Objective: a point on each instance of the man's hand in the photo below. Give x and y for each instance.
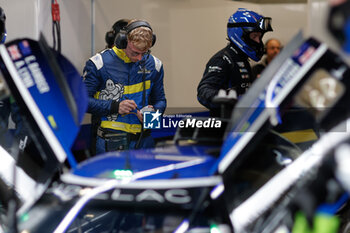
(139, 116)
(126, 106)
(140, 112)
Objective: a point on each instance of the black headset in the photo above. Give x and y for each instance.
(117, 26)
(121, 39)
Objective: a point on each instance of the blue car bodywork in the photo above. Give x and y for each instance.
(201, 184)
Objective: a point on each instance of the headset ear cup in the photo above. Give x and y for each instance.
(109, 38)
(154, 38)
(121, 40)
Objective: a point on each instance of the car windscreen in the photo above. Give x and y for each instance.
(23, 166)
(43, 102)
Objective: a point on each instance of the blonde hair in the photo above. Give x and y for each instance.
(141, 37)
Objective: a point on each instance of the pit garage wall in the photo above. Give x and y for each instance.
(188, 32)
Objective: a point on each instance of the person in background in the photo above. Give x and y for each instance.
(121, 82)
(110, 35)
(110, 39)
(272, 48)
(229, 68)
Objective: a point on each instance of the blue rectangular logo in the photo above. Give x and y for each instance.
(152, 120)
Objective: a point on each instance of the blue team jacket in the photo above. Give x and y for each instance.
(110, 76)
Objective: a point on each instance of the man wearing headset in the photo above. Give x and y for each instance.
(122, 81)
(110, 39)
(229, 68)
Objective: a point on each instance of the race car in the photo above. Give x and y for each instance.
(206, 180)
